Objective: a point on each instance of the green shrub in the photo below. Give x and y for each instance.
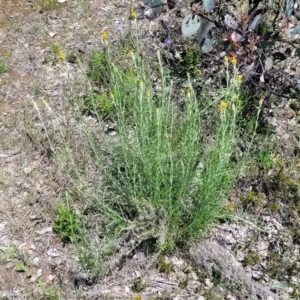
(160, 164)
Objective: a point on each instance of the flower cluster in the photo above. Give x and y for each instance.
(227, 59)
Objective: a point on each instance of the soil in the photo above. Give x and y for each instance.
(34, 263)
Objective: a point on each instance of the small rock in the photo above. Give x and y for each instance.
(240, 255)
(112, 133)
(127, 289)
(208, 283)
(35, 261)
(257, 274)
(194, 276)
(230, 297)
(50, 278)
(39, 273)
(295, 279)
(266, 218)
(52, 34)
(201, 298)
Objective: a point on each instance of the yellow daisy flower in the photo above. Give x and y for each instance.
(103, 34)
(223, 105)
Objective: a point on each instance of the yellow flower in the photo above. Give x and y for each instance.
(104, 34)
(239, 78)
(190, 86)
(148, 93)
(46, 104)
(33, 103)
(137, 297)
(142, 83)
(226, 59)
(260, 102)
(78, 60)
(223, 105)
(61, 55)
(111, 95)
(234, 61)
(132, 14)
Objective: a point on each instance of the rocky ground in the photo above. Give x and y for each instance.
(34, 263)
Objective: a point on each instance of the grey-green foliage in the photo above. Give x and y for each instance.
(158, 162)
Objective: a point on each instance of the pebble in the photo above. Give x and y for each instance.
(257, 274)
(208, 283)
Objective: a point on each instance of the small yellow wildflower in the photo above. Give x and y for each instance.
(137, 297)
(133, 14)
(190, 86)
(33, 103)
(148, 93)
(78, 60)
(46, 104)
(142, 83)
(223, 105)
(234, 61)
(226, 59)
(103, 34)
(61, 55)
(260, 102)
(111, 95)
(188, 93)
(239, 78)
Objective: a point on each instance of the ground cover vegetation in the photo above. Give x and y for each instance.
(169, 142)
(163, 170)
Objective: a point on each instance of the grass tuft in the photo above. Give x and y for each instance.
(164, 173)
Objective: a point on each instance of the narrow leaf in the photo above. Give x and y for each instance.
(265, 44)
(230, 22)
(289, 7)
(190, 25)
(208, 5)
(254, 23)
(269, 63)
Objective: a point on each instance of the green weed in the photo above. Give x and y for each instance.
(48, 292)
(48, 4)
(3, 67)
(36, 89)
(97, 104)
(139, 284)
(66, 223)
(98, 69)
(55, 49)
(164, 266)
